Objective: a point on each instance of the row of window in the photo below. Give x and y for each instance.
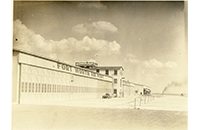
(53, 88)
(115, 81)
(107, 72)
(77, 80)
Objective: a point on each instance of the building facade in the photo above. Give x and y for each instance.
(39, 79)
(128, 88)
(116, 72)
(121, 86)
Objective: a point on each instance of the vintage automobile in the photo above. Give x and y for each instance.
(107, 95)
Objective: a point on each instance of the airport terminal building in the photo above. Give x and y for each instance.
(116, 72)
(38, 79)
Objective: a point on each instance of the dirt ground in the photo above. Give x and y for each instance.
(74, 117)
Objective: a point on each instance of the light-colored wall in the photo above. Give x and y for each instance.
(69, 82)
(15, 77)
(118, 77)
(58, 66)
(139, 88)
(67, 86)
(131, 88)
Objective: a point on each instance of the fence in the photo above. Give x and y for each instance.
(138, 101)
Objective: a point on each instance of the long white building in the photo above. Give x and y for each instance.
(121, 86)
(39, 79)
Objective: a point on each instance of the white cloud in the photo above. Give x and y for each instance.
(114, 46)
(171, 64)
(95, 28)
(103, 25)
(153, 63)
(80, 28)
(21, 31)
(131, 58)
(28, 40)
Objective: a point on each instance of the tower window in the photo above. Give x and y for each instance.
(107, 72)
(115, 72)
(115, 81)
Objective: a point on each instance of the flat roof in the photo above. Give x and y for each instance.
(53, 60)
(142, 85)
(108, 67)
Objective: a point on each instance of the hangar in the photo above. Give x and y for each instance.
(38, 79)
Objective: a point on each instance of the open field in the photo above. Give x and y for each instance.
(75, 116)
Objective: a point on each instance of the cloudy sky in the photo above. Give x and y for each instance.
(149, 39)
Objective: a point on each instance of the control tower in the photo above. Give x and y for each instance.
(86, 64)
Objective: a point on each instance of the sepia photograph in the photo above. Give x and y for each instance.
(99, 65)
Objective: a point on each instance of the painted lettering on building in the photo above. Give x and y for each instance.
(64, 67)
(81, 71)
(93, 74)
(77, 70)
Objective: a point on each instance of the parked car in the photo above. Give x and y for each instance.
(107, 95)
(114, 95)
